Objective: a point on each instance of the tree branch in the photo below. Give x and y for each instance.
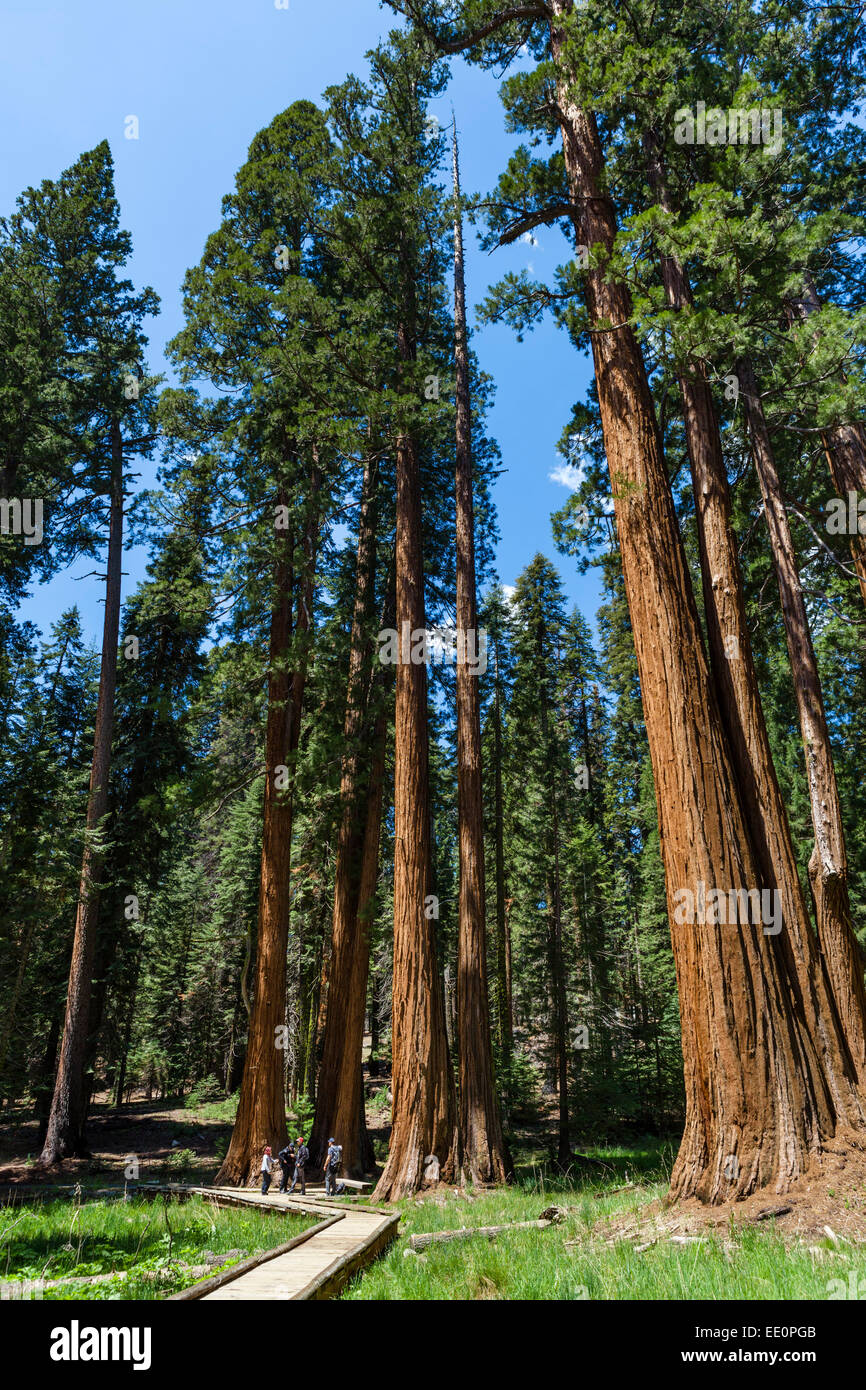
(539, 10)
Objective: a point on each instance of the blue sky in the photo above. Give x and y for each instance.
(203, 76)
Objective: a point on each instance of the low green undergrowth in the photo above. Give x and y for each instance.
(150, 1248)
(575, 1261)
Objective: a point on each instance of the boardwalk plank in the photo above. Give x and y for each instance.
(318, 1265)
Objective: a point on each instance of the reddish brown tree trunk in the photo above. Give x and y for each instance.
(828, 866)
(366, 908)
(66, 1123)
(339, 1106)
(755, 1113)
(425, 1146)
(736, 683)
(424, 1140)
(485, 1156)
(261, 1116)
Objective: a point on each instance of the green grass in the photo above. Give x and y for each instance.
(223, 1110)
(536, 1265)
(60, 1238)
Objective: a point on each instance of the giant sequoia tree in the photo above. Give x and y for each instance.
(771, 1079)
(424, 1140)
(755, 189)
(485, 1155)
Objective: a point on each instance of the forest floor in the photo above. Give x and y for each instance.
(147, 1140)
(618, 1237)
(152, 1140)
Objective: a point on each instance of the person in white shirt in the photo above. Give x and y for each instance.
(267, 1170)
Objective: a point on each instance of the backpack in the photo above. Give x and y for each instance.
(336, 1149)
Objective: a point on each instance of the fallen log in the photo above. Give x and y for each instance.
(772, 1211)
(421, 1242)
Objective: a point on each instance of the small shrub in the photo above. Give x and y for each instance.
(301, 1117)
(209, 1088)
(380, 1101)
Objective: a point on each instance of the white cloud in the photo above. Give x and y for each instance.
(530, 239)
(509, 591)
(568, 475)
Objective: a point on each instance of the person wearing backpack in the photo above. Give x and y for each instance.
(302, 1158)
(287, 1163)
(333, 1159)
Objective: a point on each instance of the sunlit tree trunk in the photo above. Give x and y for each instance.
(758, 1106)
(424, 1144)
(485, 1157)
(339, 1101)
(828, 865)
(736, 683)
(261, 1115)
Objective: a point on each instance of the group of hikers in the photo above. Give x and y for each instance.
(294, 1158)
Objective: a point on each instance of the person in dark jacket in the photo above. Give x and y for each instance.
(287, 1163)
(302, 1158)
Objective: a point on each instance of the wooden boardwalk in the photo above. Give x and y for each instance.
(321, 1260)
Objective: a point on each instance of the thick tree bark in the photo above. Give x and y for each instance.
(755, 1111)
(424, 1140)
(261, 1116)
(340, 1107)
(339, 1077)
(485, 1156)
(828, 866)
(758, 1104)
(65, 1134)
(366, 908)
(736, 685)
